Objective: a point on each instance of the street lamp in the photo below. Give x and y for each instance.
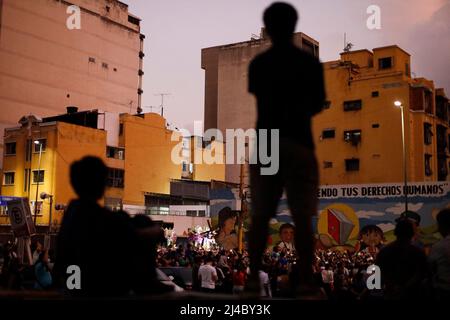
(37, 142)
(399, 105)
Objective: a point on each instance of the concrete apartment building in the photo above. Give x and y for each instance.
(136, 148)
(228, 104)
(44, 66)
(358, 135)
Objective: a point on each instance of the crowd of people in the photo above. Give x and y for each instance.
(406, 272)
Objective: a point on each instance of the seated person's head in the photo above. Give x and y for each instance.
(404, 230)
(280, 19)
(413, 217)
(88, 178)
(443, 220)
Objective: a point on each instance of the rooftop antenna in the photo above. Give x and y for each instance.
(347, 46)
(162, 101)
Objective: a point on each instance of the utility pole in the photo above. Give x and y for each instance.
(243, 215)
(38, 179)
(162, 101)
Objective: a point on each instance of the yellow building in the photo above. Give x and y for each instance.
(198, 155)
(62, 143)
(136, 148)
(358, 135)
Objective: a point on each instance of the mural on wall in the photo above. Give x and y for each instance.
(359, 217)
(224, 211)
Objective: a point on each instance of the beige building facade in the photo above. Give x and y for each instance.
(228, 105)
(45, 66)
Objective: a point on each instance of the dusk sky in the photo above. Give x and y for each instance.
(177, 30)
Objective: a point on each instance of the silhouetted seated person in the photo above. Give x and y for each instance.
(145, 280)
(439, 258)
(403, 266)
(99, 241)
(288, 85)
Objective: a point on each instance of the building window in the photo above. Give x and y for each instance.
(115, 178)
(428, 101)
(327, 164)
(442, 168)
(133, 20)
(201, 213)
(10, 148)
(385, 63)
(328, 133)
(26, 179)
(107, 9)
(8, 178)
(191, 213)
(428, 171)
(352, 136)
(441, 139)
(28, 150)
(37, 146)
(91, 59)
(375, 94)
(157, 204)
(104, 65)
(375, 125)
(407, 69)
(115, 153)
(38, 176)
(352, 105)
(121, 129)
(427, 133)
(352, 164)
(327, 105)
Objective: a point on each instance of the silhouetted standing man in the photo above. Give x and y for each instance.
(288, 85)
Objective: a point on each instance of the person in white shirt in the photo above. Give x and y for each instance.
(207, 276)
(439, 258)
(328, 280)
(264, 280)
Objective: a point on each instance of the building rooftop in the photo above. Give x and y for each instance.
(390, 47)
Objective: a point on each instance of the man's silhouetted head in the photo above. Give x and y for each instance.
(88, 178)
(404, 230)
(280, 19)
(443, 220)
